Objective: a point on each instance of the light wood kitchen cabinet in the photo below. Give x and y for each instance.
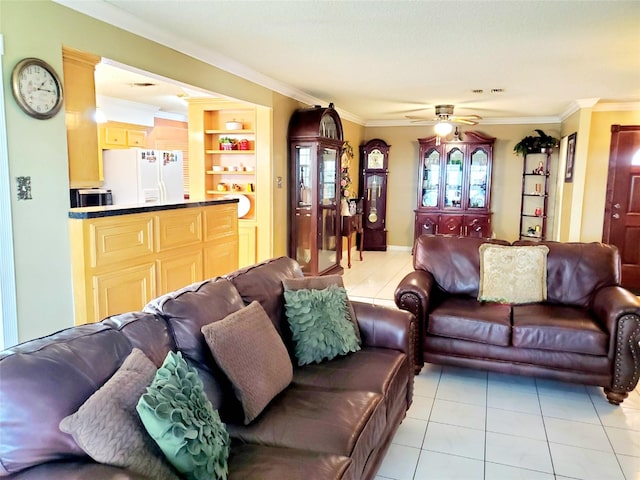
(121, 262)
(80, 107)
(122, 135)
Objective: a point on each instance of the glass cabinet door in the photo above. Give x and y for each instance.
(478, 174)
(328, 205)
(453, 179)
(303, 169)
(431, 179)
(303, 204)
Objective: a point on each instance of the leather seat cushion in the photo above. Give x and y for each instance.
(248, 462)
(552, 327)
(370, 370)
(347, 423)
(468, 319)
(378, 370)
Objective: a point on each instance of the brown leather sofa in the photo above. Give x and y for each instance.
(587, 331)
(334, 421)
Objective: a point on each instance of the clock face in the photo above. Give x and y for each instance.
(36, 88)
(375, 159)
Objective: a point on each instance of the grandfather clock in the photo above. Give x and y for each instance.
(374, 162)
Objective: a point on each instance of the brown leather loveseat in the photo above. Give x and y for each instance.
(587, 331)
(335, 420)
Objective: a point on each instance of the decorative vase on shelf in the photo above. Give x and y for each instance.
(344, 208)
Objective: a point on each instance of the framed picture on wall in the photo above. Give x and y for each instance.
(571, 157)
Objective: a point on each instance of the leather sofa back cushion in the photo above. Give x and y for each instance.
(576, 270)
(454, 262)
(146, 332)
(263, 282)
(188, 310)
(45, 380)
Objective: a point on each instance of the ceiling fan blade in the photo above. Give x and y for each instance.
(418, 118)
(464, 121)
(467, 117)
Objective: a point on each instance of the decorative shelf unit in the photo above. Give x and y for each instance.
(454, 186)
(218, 171)
(231, 170)
(535, 196)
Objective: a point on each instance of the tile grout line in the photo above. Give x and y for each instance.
(424, 437)
(546, 435)
(608, 438)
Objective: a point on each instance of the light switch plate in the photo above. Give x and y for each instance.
(24, 188)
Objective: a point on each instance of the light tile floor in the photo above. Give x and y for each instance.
(469, 424)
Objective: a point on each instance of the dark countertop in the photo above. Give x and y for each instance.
(84, 213)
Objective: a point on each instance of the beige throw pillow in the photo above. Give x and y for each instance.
(320, 283)
(107, 426)
(248, 349)
(513, 274)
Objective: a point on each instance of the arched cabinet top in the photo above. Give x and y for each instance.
(315, 123)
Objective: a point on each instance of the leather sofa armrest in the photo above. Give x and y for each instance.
(387, 327)
(610, 303)
(413, 294)
(618, 311)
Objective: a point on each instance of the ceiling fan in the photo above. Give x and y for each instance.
(444, 113)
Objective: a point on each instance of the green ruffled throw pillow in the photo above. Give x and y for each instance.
(180, 418)
(320, 324)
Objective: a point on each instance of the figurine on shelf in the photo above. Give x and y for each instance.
(540, 169)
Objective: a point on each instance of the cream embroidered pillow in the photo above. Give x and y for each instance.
(513, 274)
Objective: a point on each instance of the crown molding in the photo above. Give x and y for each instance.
(579, 104)
(617, 107)
(599, 106)
(107, 13)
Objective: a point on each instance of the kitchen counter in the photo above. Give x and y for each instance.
(124, 256)
(113, 210)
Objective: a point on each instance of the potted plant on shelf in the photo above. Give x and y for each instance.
(226, 143)
(533, 144)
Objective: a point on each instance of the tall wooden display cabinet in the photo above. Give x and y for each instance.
(315, 142)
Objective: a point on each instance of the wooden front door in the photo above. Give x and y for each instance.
(622, 208)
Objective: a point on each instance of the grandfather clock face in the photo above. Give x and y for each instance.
(375, 159)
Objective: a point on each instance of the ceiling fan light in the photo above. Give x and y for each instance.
(443, 129)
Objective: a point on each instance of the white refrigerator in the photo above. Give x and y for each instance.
(141, 176)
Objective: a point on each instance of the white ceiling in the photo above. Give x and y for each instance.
(379, 61)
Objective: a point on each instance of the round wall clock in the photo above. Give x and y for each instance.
(36, 88)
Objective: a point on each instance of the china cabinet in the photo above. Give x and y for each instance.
(374, 165)
(315, 142)
(535, 196)
(454, 186)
